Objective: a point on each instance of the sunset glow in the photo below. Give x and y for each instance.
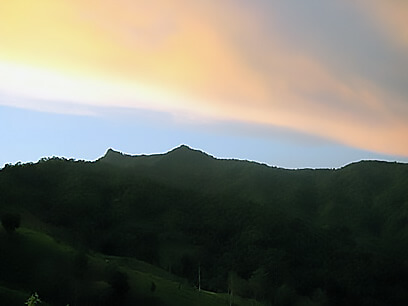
(259, 63)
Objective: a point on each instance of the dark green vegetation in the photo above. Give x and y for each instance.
(282, 237)
(10, 221)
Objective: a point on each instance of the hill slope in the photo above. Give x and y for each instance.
(282, 236)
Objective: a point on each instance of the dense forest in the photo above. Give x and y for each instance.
(265, 234)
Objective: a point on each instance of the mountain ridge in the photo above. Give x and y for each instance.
(184, 150)
(340, 234)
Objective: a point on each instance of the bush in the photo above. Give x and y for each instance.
(10, 222)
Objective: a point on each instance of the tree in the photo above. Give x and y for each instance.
(153, 287)
(120, 285)
(236, 286)
(259, 283)
(285, 296)
(10, 222)
(33, 300)
(80, 264)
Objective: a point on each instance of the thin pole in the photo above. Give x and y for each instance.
(199, 277)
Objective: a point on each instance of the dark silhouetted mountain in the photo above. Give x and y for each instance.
(324, 237)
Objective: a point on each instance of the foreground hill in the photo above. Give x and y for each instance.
(307, 237)
(33, 261)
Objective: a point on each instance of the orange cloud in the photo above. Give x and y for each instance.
(208, 59)
(391, 15)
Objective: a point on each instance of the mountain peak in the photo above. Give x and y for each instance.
(185, 149)
(111, 152)
(181, 147)
(112, 155)
(181, 154)
(186, 153)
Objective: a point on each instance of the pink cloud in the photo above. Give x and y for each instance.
(215, 60)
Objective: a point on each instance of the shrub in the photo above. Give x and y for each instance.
(10, 222)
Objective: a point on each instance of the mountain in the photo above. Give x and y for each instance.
(304, 237)
(174, 158)
(188, 168)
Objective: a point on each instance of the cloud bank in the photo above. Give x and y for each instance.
(335, 70)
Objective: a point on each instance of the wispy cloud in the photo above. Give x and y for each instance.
(391, 15)
(225, 61)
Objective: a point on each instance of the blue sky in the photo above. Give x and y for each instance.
(289, 83)
(87, 137)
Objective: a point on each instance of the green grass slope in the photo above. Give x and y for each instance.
(31, 261)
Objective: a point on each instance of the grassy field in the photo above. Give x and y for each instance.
(32, 261)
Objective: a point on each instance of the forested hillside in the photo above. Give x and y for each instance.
(282, 237)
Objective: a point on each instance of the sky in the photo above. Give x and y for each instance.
(294, 84)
